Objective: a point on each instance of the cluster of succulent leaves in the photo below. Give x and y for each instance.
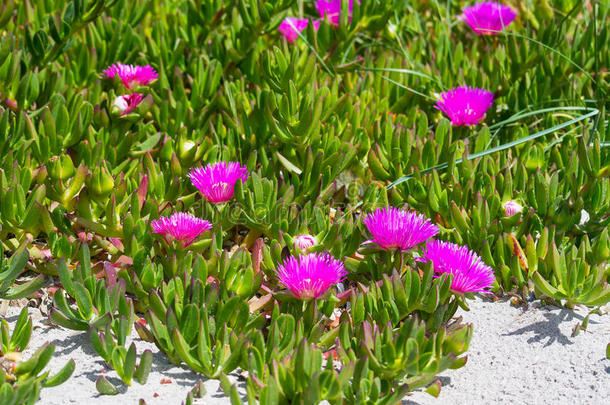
(103, 309)
(22, 380)
(331, 127)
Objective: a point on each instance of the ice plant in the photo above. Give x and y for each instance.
(310, 276)
(392, 228)
(216, 182)
(331, 10)
(291, 27)
(470, 273)
(304, 241)
(465, 105)
(181, 227)
(511, 208)
(131, 75)
(128, 103)
(488, 17)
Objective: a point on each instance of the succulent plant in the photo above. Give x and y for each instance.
(122, 360)
(336, 111)
(98, 301)
(198, 391)
(573, 280)
(21, 380)
(193, 323)
(9, 273)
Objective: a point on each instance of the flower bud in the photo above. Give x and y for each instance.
(304, 241)
(511, 208)
(124, 105)
(186, 150)
(101, 182)
(61, 167)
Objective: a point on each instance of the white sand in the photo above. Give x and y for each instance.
(527, 356)
(516, 356)
(80, 388)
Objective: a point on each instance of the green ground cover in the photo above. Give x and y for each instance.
(330, 124)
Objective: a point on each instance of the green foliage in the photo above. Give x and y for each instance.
(105, 387)
(9, 273)
(122, 360)
(572, 278)
(377, 366)
(395, 298)
(22, 380)
(198, 391)
(97, 300)
(192, 323)
(20, 337)
(103, 309)
(407, 355)
(332, 126)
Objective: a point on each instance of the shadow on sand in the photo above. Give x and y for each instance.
(549, 329)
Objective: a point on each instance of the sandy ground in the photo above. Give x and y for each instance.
(527, 356)
(517, 355)
(167, 384)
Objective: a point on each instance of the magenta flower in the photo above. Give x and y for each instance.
(488, 17)
(128, 103)
(131, 75)
(470, 274)
(310, 276)
(291, 27)
(181, 227)
(304, 241)
(397, 229)
(217, 181)
(511, 208)
(332, 10)
(465, 105)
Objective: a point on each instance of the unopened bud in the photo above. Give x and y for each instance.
(61, 167)
(304, 241)
(124, 105)
(186, 150)
(511, 208)
(101, 182)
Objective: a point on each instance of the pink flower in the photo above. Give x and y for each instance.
(332, 10)
(180, 226)
(217, 181)
(488, 17)
(465, 105)
(310, 276)
(131, 75)
(397, 229)
(470, 274)
(128, 103)
(511, 208)
(291, 26)
(304, 241)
